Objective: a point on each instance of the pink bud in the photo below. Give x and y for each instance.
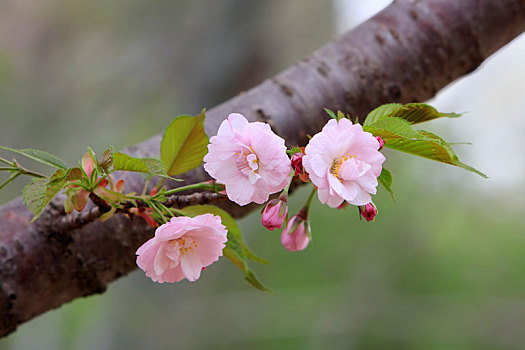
(295, 236)
(119, 186)
(274, 213)
(88, 164)
(103, 183)
(381, 142)
(297, 163)
(368, 212)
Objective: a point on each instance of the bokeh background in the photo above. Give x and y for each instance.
(443, 267)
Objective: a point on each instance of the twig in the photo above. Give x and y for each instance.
(69, 222)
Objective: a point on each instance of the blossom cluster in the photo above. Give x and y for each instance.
(342, 161)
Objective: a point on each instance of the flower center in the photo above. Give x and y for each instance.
(248, 164)
(185, 245)
(336, 165)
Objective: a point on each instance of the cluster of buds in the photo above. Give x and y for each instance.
(297, 164)
(77, 196)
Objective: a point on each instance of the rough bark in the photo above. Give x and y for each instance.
(405, 53)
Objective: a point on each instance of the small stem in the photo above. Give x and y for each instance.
(306, 207)
(24, 171)
(5, 161)
(145, 188)
(200, 185)
(9, 169)
(152, 205)
(163, 207)
(178, 212)
(99, 181)
(11, 178)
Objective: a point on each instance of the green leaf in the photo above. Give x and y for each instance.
(236, 249)
(385, 179)
(330, 113)
(41, 191)
(398, 134)
(294, 150)
(107, 160)
(153, 166)
(184, 144)
(381, 112)
(249, 276)
(413, 113)
(73, 174)
(420, 112)
(39, 156)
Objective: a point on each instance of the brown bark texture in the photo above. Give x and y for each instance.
(405, 53)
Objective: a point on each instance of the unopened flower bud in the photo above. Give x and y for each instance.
(381, 142)
(296, 235)
(87, 164)
(368, 211)
(297, 163)
(274, 214)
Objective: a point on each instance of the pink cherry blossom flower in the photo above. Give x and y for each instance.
(249, 159)
(274, 213)
(369, 212)
(343, 162)
(296, 235)
(182, 247)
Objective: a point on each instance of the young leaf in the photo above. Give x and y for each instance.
(385, 179)
(41, 191)
(184, 144)
(39, 156)
(235, 257)
(107, 160)
(420, 112)
(413, 113)
(125, 162)
(381, 112)
(73, 174)
(236, 249)
(398, 134)
(330, 113)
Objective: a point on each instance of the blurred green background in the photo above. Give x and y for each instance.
(443, 267)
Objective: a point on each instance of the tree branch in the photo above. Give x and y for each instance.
(56, 220)
(405, 53)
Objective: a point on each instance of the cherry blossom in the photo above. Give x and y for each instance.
(182, 247)
(343, 162)
(249, 159)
